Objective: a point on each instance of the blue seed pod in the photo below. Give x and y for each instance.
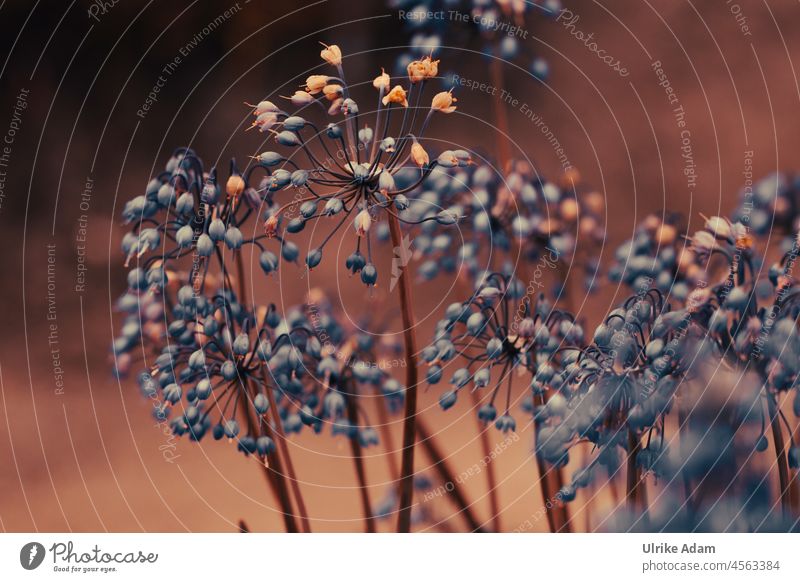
(333, 206)
(308, 208)
(261, 403)
(228, 370)
(475, 323)
(203, 389)
(737, 299)
(294, 123)
(268, 262)
(313, 258)
(172, 393)
(333, 131)
(234, 238)
(241, 345)
(481, 378)
(434, 374)
(461, 377)
(567, 493)
(137, 279)
(218, 432)
(166, 194)
(270, 158)
(794, 457)
(448, 399)
(296, 225)
(762, 444)
(185, 236)
(185, 204)
(216, 230)
(205, 246)
(369, 274)
(287, 138)
(264, 446)
(487, 413)
(494, 348)
(506, 423)
(197, 360)
(231, 428)
(289, 251)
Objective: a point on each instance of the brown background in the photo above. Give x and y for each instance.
(89, 459)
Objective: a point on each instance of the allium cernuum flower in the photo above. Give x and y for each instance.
(344, 172)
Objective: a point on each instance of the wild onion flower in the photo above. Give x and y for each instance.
(619, 389)
(345, 171)
(496, 335)
(517, 215)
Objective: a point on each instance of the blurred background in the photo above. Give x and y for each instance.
(79, 449)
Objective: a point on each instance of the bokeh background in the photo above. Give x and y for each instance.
(89, 456)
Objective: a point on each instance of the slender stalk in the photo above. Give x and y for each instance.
(275, 475)
(500, 116)
(780, 454)
(550, 482)
(388, 441)
(491, 477)
(447, 476)
(358, 460)
(284, 449)
(409, 421)
(634, 489)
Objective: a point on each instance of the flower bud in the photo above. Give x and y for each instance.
(443, 102)
(396, 95)
(332, 55)
(315, 83)
(419, 155)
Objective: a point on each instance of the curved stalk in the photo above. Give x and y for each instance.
(447, 476)
(780, 454)
(284, 449)
(409, 421)
(358, 460)
(491, 477)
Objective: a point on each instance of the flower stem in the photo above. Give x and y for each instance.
(409, 421)
(275, 476)
(550, 482)
(447, 475)
(491, 477)
(358, 459)
(500, 116)
(780, 454)
(634, 485)
(284, 450)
